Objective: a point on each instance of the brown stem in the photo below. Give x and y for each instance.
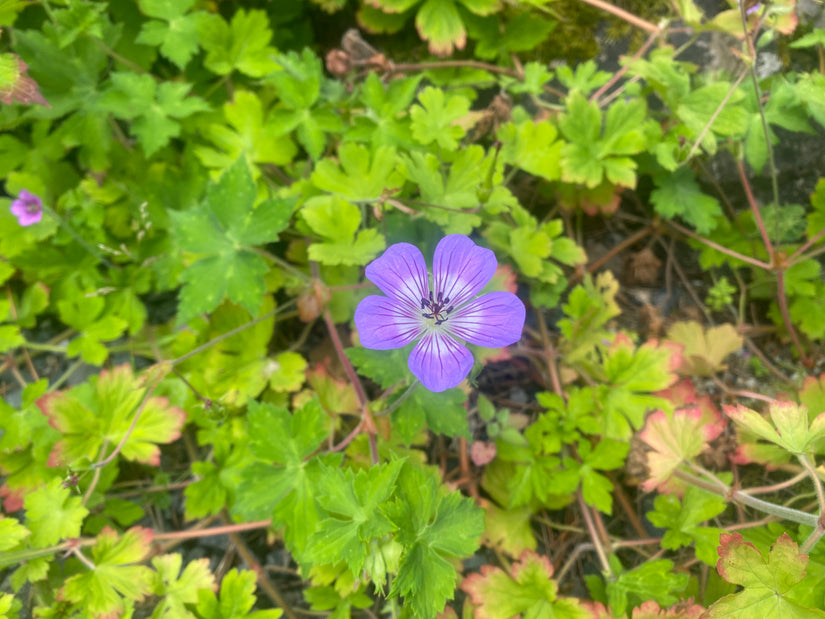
(720, 248)
(618, 74)
(782, 300)
(814, 239)
(366, 418)
(766, 239)
(622, 14)
(594, 536)
(263, 580)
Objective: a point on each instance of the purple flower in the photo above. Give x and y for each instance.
(28, 208)
(440, 313)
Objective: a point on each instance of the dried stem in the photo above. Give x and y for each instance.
(594, 536)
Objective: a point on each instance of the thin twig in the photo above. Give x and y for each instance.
(630, 18)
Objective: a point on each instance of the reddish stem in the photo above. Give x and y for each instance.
(782, 300)
(755, 210)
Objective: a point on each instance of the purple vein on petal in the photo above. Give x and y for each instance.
(384, 323)
(461, 268)
(440, 362)
(494, 319)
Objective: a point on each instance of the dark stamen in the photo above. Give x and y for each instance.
(449, 309)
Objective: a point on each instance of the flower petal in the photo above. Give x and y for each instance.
(493, 320)
(461, 268)
(384, 323)
(401, 273)
(440, 362)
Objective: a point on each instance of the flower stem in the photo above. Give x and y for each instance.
(354, 380)
(398, 402)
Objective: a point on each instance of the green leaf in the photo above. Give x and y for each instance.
(154, 108)
(809, 90)
(242, 45)
(12, 532)
(633, 374)
(684, 520)
(226, 224)
(173, 30)
(439, 23)
(703, 107)
(237, 597)
(114, 577)
(679, 194)
(52, 514)
(291, 372)
(533, 147)
(353, 503)
(179, 588)
(433, 528)
(102, 412)
(434, 118)
(281, 484)
(443, 413)
(652, 580)
(337, 221)
(360, 177)
(585, 79)
(528, 589)
(591, 154)
(766, 583)
(459, 190)
(251, 133)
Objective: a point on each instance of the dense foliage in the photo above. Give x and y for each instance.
(190, 426)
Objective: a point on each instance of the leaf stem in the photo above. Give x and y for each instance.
(809, 467)
(728, 493)
(231, 332)
(720, 248)
(757, 91)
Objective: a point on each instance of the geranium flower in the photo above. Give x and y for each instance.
(28, 208)
(440, 313)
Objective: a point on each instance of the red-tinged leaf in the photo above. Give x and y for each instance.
(766, 582)
(102, 412)
(102, 590)
(439, 23)
(529, 589)
(812, 393)
(674, 439)
(683, 394)
(791, 428)
(651, 367)
(15, 85)
(704, 349)
(649, 610)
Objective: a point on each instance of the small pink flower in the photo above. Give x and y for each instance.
(28, 208)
